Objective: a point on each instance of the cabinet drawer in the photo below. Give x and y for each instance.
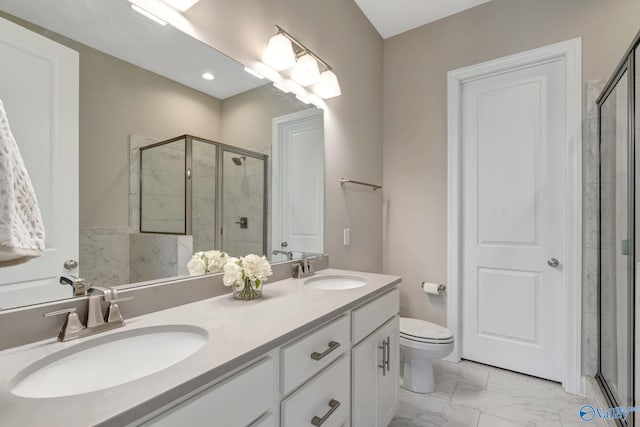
(314, 398)
(237, 401)
(305, 357)
(370, 316)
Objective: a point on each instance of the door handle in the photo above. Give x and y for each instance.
(284, 244)
(553, 262)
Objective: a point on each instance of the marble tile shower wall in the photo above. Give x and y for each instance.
(112, 256)
(104, 255)
(157, 256)
(590, 242)
(243, 196)
(163, 188)
(203, 195)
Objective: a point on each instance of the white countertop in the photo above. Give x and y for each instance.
(239, 331)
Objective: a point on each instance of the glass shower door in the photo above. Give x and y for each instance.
(203, 195)
(616, 246)
(243, 207)
(163, 187)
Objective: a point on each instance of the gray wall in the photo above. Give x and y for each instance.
(247, 118)
(340, 34)
(415, 114)
(118, 99)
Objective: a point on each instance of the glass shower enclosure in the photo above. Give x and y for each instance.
(215, 192)
(618, 239)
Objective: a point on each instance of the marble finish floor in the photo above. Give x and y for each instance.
(472, 394)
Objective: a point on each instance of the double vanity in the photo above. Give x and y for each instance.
(316, 351)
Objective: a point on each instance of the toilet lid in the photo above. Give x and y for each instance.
(420, 330)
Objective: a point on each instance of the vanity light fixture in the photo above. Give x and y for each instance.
(328, 86)
(147, 14)
(254, 73)
(279, 53)
(208, 76)
(306, 71)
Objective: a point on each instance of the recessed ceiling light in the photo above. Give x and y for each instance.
(208, 76)
(149, 15)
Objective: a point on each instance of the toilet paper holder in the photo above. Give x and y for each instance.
(441, 287)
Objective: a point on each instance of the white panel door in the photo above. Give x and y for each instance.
(39, 89)
(298, 182)
(513, 130)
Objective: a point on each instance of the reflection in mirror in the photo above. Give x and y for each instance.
(145, 206)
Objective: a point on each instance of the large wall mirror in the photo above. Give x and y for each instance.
(145, 145)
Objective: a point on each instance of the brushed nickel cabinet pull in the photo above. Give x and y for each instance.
(388, 355)
(332, 346)
(317, 421)
(384, 364)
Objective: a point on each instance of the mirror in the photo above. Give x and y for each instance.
(171, 160)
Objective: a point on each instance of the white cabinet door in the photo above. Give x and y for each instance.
(39, 89)
(365, 360)
(375, 384)
(388, 385)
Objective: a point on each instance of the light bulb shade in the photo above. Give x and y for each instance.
(328, 86)
(306, 71)
(279, 54)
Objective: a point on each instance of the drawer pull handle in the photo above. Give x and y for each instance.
(317, 421)
(386, 361)
(332, 346)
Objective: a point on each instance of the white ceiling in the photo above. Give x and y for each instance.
(394, 17)
(111, 26)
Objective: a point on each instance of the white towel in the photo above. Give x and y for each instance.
(21, 229)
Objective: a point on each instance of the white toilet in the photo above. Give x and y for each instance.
(420, 343)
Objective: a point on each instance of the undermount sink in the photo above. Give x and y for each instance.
(335, 282)
(108, 361)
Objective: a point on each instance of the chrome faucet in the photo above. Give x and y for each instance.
(305, 268)
(79, 285)
(289, 254)
(97, 321)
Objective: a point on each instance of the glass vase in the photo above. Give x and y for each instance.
(249, 291)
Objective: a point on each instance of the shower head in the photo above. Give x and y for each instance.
(238, 160)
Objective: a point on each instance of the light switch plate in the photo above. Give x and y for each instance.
(347, 236)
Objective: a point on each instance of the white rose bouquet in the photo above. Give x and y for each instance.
(207, 262)
(246, 275)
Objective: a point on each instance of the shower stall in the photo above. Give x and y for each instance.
(215, 192)
(618, 240)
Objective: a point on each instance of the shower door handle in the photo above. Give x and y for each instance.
(553, 262)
